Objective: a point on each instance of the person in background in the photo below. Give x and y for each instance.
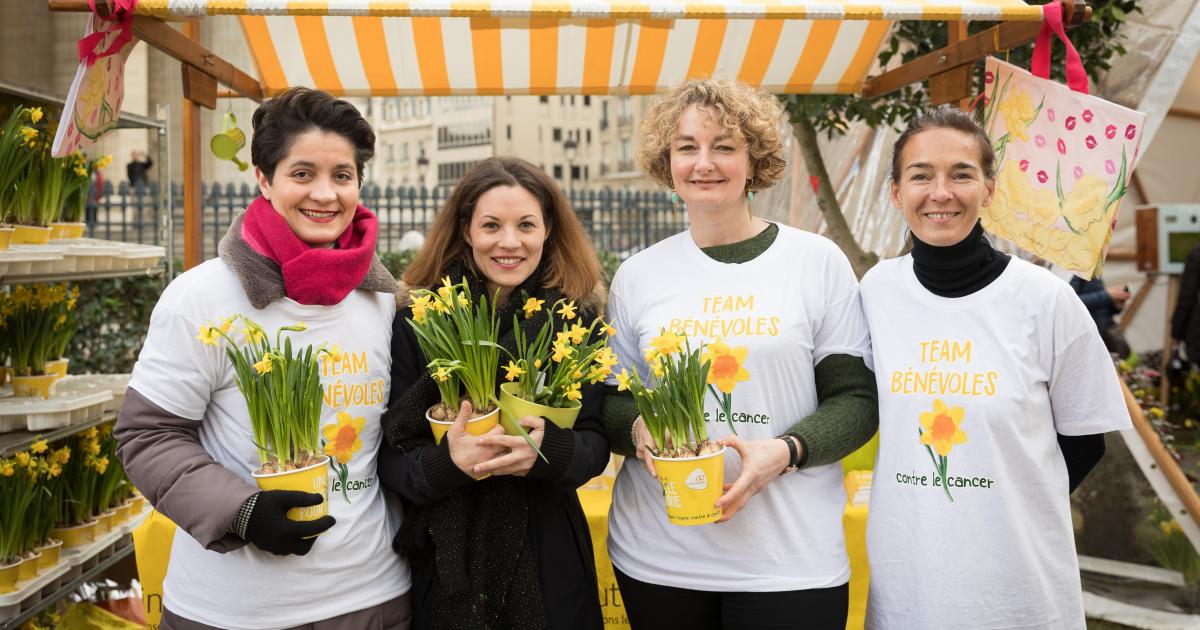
(1103, 303)
(1185, 321)
(136, 170)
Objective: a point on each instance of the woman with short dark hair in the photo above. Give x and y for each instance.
(994, 392)
(303, 251)
(511, 550)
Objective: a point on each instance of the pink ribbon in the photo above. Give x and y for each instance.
(122, 23)
(1039, 65)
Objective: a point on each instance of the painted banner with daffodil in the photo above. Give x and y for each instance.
(282, 388)
(940, 431)
(546, 373)
(728, 368)
(1063, 159)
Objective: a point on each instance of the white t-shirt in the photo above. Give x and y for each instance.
(991, 377)
(351, 566)
(790, 307)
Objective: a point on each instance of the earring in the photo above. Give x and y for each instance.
(749, 195)
(674, 197)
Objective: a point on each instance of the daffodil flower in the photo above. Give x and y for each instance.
(561, 351)
(567, 311)
(576, 333)
(512, 371)
(532, 305)
(669, 342)
(264, 366)
(573, 392)
(208, 335)
(608, 329)
(39, 447)
(441, 374)
(35, 114)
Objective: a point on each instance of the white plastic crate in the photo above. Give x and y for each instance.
(93, 254)
(134, 256)
(24, 260)
(89, 383)
(62, 409)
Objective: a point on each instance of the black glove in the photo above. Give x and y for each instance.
(270, 529)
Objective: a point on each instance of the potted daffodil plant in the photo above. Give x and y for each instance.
(282, 388)
(690, 466)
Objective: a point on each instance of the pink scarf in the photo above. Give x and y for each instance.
(313, 275)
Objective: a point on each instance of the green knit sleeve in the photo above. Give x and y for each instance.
(847, 412)
(620, 411)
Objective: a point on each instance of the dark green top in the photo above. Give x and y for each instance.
(847, 413)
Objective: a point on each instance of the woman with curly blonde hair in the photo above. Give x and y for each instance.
(785, 304)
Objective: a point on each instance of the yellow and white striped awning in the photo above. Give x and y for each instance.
(475, 47)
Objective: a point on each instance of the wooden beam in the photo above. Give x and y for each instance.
(951, 86)
(1170, 468)
(1185, 112)
(160, 35)
(199, 87)
(1001, 37)
(193, 200)
(956, 31)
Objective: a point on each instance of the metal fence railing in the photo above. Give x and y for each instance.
(619, 221)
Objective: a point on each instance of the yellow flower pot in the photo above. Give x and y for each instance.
(28, 569)
(6, 235)
(513, 407)
(314, 478)
(475, 426)
(57, 367)
(61, 230)
(104, 522)
(690, 487)
(31, 235)
(138, 505)
(76, 535)
(36, 385)
(125, 511)
(8, 576)
(51, 550)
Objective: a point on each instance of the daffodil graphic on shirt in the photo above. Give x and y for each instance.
(727, 369)
(342, 441)
(941, 430)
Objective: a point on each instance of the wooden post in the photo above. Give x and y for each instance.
(193, 232)
(1173, 282)
(1167, 464)
(1131, 309)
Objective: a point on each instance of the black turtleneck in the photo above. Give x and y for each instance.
(967, 266)
(960, 269)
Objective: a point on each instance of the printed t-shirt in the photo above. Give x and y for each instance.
(779, 314)
(969, 524)
(351, 566)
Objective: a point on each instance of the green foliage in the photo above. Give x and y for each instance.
(1096, 40)
(609, 262)
(396, 262)
(112, 319)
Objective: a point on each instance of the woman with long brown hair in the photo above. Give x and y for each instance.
(511, 550)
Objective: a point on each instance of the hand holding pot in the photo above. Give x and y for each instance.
(270, 529)
(642, 440)
(466, 450)
(520, 456)
(762, 460)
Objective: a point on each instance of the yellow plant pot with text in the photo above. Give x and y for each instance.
(76, 535)
(51, 551)
(691, 485)
(28, 568)
(6, 235)
(36, 385)
(30, 235)
(475, 426)
(8, 577)
(312, 478)
(513, 407)
(58, 367)
(64, 231)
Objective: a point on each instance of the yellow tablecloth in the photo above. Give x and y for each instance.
(596, 498)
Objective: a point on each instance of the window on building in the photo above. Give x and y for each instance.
(508, 132)
(587, 101)
(558, 171)
(589, 136)
(562, 100)
(572, 100)
(557, 135)
(543, 99)
(576, 172)
(391, 153)
(585, 172)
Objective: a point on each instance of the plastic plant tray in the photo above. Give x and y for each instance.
(62, 409)
(93, 254)
(134, 256)
(23, 260)
(89, 383)
(71, 563)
